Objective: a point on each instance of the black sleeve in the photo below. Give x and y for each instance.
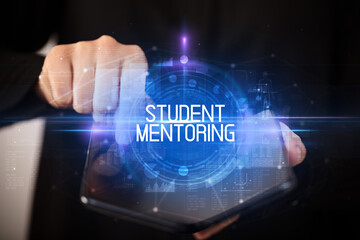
(18, 74)
(26, 27)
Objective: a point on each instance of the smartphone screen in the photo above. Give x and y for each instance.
(192, 157)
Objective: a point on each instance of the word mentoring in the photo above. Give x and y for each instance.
(184, 123)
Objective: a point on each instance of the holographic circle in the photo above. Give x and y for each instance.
(184, 59)
(183, 171)
(216, 89)
(172, 78)
(192, 83)
(197, 163)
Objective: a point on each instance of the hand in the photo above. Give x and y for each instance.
(296, 153)
(102, 76)
(92, 76)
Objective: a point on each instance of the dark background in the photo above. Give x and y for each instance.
(309, 49)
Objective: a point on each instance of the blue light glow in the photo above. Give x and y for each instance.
(183, 171)
(184, 59)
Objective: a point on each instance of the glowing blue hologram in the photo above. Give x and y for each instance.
(192, 83)
(208, 183)
(169, 160)
(162, 187)
(184, 59)
(133, 82)
(216, 89)
(184, 40)
(168, 63)
(241, 180)
(172, 78)
(285, 185)
(150, 171)
(183, 171)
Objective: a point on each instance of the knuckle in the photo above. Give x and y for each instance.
(82, 49)
(81, 45)
(57, 51)
(136, 55)
(137, 50)
(107, 41)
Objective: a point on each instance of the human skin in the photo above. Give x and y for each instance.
(94, 77)
(296, 152)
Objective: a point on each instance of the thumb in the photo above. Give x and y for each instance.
(295, 148)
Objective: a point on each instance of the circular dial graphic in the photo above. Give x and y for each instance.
(202, 147)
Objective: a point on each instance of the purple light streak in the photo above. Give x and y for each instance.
(184, 40)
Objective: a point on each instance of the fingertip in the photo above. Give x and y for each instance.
(296, 151)
(295, 148)
(302, 150)
(199, 236)
(204, 234)
(98, 117)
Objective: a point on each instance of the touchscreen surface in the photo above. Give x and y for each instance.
(186, 150)
(115, 176)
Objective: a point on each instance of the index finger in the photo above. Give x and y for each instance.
(132, 89)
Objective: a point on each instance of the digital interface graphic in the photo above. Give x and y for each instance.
(199, 117)
(179, 119)
(194, 147)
